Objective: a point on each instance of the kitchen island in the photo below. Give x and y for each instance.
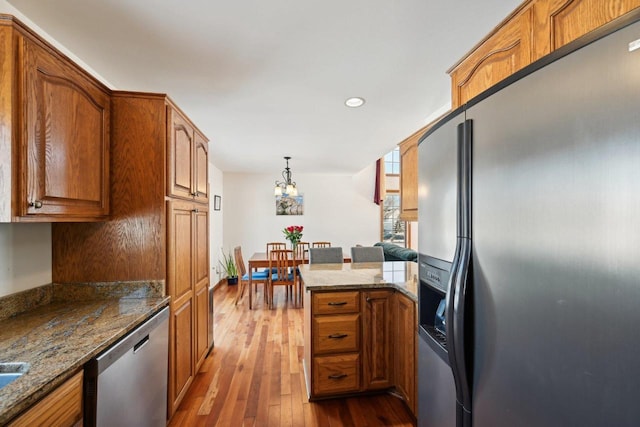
(56, 329)
(360, 327)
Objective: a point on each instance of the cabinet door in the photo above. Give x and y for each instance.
(405, 330)
(377, 361)
(409, 178)
(201, 282)
(65, 161)
(180, 156)
(201, 319)
(558, 22)
(180, 234)
(181, 354)
(501, 55)
(201, 169)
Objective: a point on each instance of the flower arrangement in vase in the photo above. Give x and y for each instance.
(293, 233)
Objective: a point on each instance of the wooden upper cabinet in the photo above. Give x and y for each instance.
(201, 166)
(558, 22)
(409, 177)
(496, 58)
(535, 29)
(57, 122)
(188, 159)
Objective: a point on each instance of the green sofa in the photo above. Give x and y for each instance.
(394, 252)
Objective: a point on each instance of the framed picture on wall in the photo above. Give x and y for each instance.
(217, 201)
(286, 205)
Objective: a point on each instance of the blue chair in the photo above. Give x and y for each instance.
(256, 277)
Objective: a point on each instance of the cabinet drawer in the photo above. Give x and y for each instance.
(336, 334)
(336, 374)
(336, 302)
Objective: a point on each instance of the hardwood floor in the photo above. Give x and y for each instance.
(254, 375)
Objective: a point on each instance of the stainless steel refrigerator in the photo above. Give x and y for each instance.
(529, 240)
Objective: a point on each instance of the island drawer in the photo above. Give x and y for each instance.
(336, 374)
(336, 334)
(336, 302)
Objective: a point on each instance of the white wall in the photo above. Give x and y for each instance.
(25, 257)
(216, 231)
(25, 249)
(9, 9)
(337, 208)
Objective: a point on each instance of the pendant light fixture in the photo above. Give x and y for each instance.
(286, 187)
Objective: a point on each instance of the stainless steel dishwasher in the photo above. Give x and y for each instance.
(126, 385)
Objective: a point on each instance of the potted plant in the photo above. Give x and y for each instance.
(230, 268)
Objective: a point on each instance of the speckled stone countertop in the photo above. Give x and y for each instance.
(399, 275)
(57, 337)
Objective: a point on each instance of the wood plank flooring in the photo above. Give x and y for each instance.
(254, 375)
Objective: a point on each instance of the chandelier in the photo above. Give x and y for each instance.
(286, 187)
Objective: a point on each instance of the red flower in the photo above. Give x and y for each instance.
(293, 233)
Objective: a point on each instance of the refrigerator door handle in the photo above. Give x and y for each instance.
(459, 358)
(457, 291)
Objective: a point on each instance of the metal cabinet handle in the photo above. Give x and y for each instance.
(338, 336)
(369, 299)
(195, 210)
(37, 204)
(337, 376)
(337, 303)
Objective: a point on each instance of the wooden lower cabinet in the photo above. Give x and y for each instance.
(188, 285)
(201, 322)
(360, 341)
(404, 344)
(181, 360)
(376, 325)
(60, 408)
(336, 374)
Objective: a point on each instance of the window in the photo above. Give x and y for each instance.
(392, 162)
(393, 229)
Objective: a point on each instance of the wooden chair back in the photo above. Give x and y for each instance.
(321, 245)
(282, 266)
(302, 251)
(237, 254)
(275, 246)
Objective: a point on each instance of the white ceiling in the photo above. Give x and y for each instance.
(268, 78)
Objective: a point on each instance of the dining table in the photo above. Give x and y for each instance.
(260, 260)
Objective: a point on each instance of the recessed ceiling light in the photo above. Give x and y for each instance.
(354, 102)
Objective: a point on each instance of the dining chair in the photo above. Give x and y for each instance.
(283, 272)
(302, 251)
(325, 256)
(367, 254)
(274, 246)
(302, 255)
(256, 277)
(321, 245)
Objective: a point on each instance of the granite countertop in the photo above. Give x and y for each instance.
(58, 337)
(399, 275)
